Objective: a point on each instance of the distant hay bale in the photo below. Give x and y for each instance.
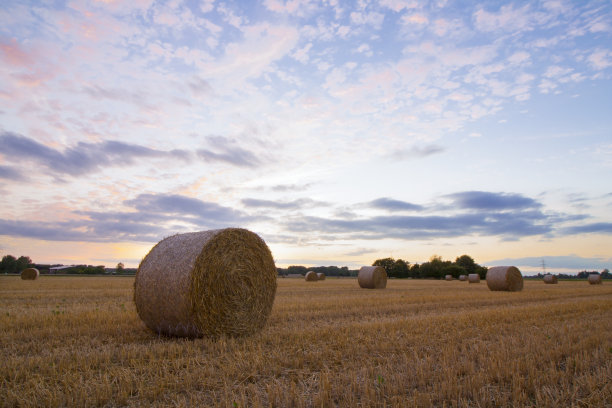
(320, 275)
(474, 278)
(462, 278)
(594, 279)
(449, 277)
(372, 277)
(506, 278)
(550, 279)
(311, 276)
(30, 274)
(207, 283)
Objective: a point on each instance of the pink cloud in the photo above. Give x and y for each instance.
(14, 54)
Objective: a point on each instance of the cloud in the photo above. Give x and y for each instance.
(394, 205)
(597, 227)
(416, 152)
(563, 262)
(288, 205)
(483, 200)
(291, 187)
(10, 173)
(153, 217)
(508, 226)
(227, 151)
(80, 159)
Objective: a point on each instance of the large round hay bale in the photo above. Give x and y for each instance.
(311, 276)
(595, 279)
(320, 276)
(30, 274)
(372, 277)
(550, 279)
(206, 283)
(463, 278)
(449, 277)
(506, 278)
(474, 278)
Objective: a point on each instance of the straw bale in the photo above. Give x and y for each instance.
(463, 278)
(449, 277)
(372, 277)
(507, 278)
(30, 274)
(595, 279)
(474, 278)
(320, 275)
(208, 283)
(550, 279)
(311, 276)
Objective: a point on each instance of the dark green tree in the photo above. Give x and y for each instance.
(387, 263)
(120, 267)
(401, 269)
(23, 262)
(467, 263)
(294, 269)
(8, 264)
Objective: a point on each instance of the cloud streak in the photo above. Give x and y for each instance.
(80, 159)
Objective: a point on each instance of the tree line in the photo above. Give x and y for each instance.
(398, 268)
(435, 268)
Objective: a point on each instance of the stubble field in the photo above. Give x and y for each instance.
(77, 341)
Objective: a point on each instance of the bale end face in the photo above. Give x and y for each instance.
(208, 283)
(463, 278)
(595, 279)
(311, 276)
(505, 278)
(449, 277)
(474, 278)
(320, 275)
(372, 277)
(550, 279)
(30, 274)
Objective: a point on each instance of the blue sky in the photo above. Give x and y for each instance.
(341, 132)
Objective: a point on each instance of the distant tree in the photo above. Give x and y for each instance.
(401, 269)
(23, 262)
(467, 263)
(454, 270)
(120, 267)
(8, 264)
(387, 263)
(294, 269)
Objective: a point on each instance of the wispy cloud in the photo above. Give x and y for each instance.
(152, 217)
(80, 159)
(10, 173)
(484, 200)
(227, 150)
(390, 204)
(287, 205)
(557, 262)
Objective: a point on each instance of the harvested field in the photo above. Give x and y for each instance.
(77, 341)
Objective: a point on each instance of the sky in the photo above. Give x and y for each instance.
(340, 132)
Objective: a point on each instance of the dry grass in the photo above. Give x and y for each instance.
(76, 341)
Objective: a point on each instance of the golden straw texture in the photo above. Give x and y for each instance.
(30, 274)
(550, 279)
(320, 275)
(474, 278)
(206, 283)
(311, 276)
(595, 279)
(372, 277)
(463, 278)
(507, 278)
